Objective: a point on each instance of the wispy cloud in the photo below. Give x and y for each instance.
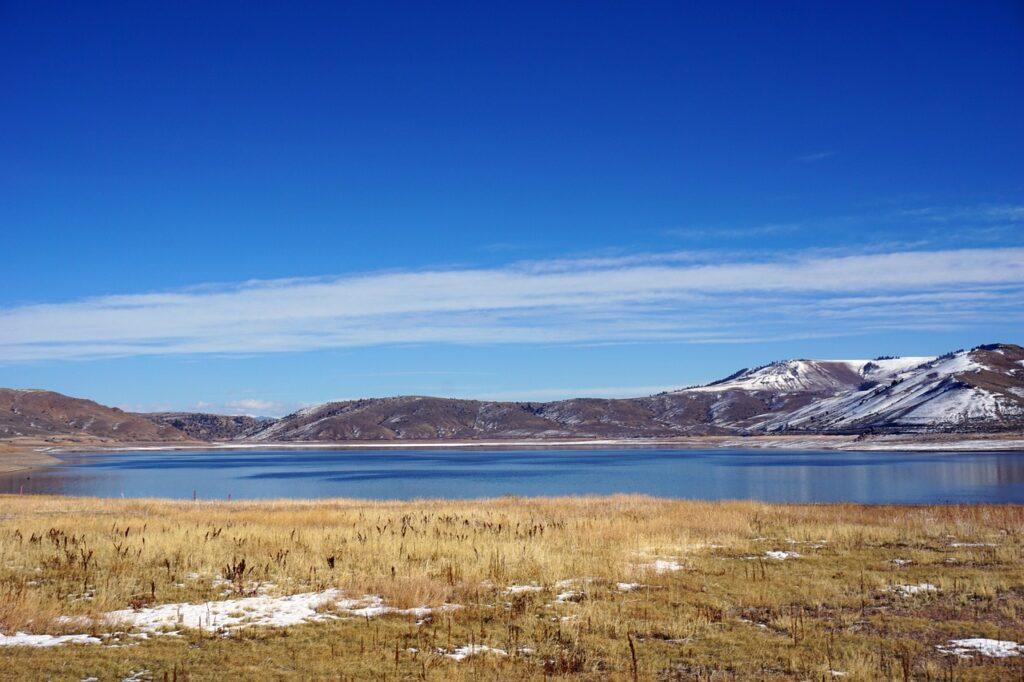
(816, 156)
(989, 213)
(935, 226)
(650, 297)
(254, 406)
(743, 232)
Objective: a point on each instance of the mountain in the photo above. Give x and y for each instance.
(981, 389)
(203, 426)
(748, 399)
(426, 418)
(810, 375)
(410, 417)
(36, 413)
(977, 390)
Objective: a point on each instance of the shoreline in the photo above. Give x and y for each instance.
(924, 442)
(277, 504)
(16, 462)
(18, 457)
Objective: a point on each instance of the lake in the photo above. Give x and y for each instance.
(770, 475)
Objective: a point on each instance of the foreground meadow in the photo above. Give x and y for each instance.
(600, 588)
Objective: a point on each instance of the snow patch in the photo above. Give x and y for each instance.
(230, 614)
(138, 676)
(971, 544)
(520, 589)
(664, 566)
(24, 639)
(911, 590)
(464, 652)
(993, 648)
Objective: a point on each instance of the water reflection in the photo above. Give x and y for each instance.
(796, 476)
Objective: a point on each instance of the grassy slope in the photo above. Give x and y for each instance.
(722, 615)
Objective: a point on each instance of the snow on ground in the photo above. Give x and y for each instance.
(628, 587)
(911, 590)
(569, 596)
(750, 622)
(23, 639)
(519, 589)
(993, 648)
(663, 566)
(780, 555)
(972, 544)
(235, 613)
(464, 652)
(229, 614)
(138, 676)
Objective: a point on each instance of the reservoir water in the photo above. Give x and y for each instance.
(770, 475)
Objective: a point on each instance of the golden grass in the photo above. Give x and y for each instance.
(723, 616)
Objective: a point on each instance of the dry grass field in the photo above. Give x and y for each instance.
(595, 588)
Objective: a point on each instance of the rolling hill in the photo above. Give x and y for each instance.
(966, 391)
(42, 414)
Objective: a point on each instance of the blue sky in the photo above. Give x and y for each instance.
(226, 207)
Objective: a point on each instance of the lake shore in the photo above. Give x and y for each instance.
(25, 454)
(620, 587)
(15, 457)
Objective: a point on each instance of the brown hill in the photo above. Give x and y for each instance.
(210, 427)
(425, 418)
(35, 413)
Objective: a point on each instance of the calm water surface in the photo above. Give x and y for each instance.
(776, 475)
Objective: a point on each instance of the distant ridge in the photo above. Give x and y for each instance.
(205, 426)
(965, 391)
(35, 413)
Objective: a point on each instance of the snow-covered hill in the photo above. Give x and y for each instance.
(979, 389)
(811, 375)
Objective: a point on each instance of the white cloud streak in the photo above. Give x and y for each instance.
(991, 213)
(817, 156)
(251, 407)
(637, 298)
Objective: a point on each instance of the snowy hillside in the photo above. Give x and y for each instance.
(812, 375)
(980, 388)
